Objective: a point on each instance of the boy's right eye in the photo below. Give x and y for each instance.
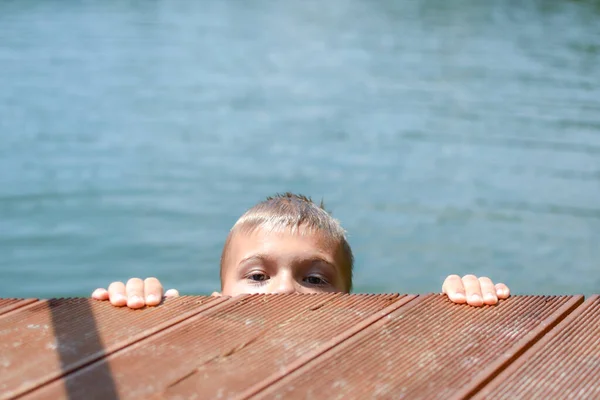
(258, 277)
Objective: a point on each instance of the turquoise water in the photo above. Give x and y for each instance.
(448, 137)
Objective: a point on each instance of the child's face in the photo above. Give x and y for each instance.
(262, 262)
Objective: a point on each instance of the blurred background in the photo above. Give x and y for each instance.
(448, 137)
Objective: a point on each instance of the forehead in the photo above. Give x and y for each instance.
(284, 243)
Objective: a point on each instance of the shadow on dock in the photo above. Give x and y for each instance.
(77, 333)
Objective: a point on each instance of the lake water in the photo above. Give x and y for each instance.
(448, 137)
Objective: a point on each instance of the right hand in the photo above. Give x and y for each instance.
(136, 293)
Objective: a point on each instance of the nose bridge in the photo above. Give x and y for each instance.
(285, 282)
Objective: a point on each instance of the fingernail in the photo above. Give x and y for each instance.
(135, 299)
(490, 297)
(474, 298)
(119, 297)
(151, 298)
(459, 296)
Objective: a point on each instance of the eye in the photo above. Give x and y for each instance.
(258, 277)
(315, 280)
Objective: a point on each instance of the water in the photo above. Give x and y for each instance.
(447, 137)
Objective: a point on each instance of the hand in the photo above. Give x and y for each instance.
(136, 294)
(474, 291)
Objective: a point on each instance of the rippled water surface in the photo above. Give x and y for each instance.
(448, 137)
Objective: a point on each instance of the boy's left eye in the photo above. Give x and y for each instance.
(315, 280)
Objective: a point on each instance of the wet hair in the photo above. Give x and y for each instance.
(295, 213)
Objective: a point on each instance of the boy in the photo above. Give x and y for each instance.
(288, 244)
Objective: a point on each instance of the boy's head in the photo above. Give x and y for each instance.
(286, 244)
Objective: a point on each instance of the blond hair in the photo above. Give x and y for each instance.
(294, 213)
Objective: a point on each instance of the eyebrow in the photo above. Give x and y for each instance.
(267, 258)
(320, 260)
(255, 257)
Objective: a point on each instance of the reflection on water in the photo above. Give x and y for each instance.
(448, 137)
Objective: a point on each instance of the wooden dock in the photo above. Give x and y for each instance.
(330, 346)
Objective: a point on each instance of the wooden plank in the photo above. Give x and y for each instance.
(320, 346)
(563, 364)
(7, 305)
(226, 349)
(279, 349)
(431, 350)
(45, 340)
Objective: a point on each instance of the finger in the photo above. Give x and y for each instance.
(473, 289)
(454, 288)
(135, 293)
(153, 291)
(502, 291)
(488, 291)
(116, 294)
(100, 294)
(172, 293)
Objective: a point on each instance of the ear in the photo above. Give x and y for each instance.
(216, 294)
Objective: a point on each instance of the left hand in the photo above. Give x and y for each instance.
(136, 293)
(474, 291)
